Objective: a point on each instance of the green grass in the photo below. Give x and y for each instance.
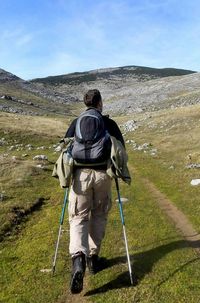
(21, 181)
(160, 257)
(167, 268)
(174, 144)
(174, 183)
(24, 257)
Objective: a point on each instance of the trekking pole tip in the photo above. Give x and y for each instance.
(134, 280)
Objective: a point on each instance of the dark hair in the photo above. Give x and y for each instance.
(92, 98)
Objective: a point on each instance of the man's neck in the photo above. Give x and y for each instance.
(91, 107)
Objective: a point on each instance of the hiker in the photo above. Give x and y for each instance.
(90, 192)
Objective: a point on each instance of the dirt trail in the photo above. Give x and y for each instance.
(179, 219)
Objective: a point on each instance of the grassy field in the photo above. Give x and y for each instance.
(176, 136)
(167, 268)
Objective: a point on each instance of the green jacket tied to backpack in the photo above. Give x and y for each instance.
(116, 164)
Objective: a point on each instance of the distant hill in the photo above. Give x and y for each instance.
(130, 88)
(6, 76)
(137, 72)
(23, 97)
(125, 90)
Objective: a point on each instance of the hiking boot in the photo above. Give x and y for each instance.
(93, 264)
(78, 271)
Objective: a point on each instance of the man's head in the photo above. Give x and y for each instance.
(93, 99)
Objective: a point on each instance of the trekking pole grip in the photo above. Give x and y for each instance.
(64, 206)
(120, 202)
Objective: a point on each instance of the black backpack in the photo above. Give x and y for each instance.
(92, 142)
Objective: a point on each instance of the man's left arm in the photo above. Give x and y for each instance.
(71, 130)
(113, 129)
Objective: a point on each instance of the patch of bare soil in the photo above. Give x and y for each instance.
(180, 221)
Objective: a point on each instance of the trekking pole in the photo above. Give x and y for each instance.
(60, 228)
(124, 231)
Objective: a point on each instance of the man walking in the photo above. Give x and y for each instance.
(90, 192)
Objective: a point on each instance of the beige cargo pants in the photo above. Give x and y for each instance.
(89, 204)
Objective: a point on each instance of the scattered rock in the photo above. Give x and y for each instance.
(25, 155)
(41, 166)
(14, 158)
(123, 200)
(130, 126)
(2, 197)
(29, 146)
(58, 148)
(46, 270)
(2, 141)
(40, 157)
(153, 152)
(193, 165)
(130, 141)
(146, 147)
(17, 147)
(195, 182)
(6, 97)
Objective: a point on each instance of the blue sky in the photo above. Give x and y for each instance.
(52, 37)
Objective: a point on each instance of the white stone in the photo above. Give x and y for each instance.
(130, 126)
(45, 270)
(40, 157)
(58, 148)
(122, 200)
(193, 165)
(40, 166)
(195, 182)
(2, 197)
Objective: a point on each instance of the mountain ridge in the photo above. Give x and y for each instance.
(93, 75)
(130, 88)
(7, 76)
(124, 89)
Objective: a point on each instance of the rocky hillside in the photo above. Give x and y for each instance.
(6, 77)
(170, 92)
(124, 89)
(131, 88)
(24, 97)
(137, 73)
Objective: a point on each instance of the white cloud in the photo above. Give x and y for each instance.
(81, 35)
(16, 38)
